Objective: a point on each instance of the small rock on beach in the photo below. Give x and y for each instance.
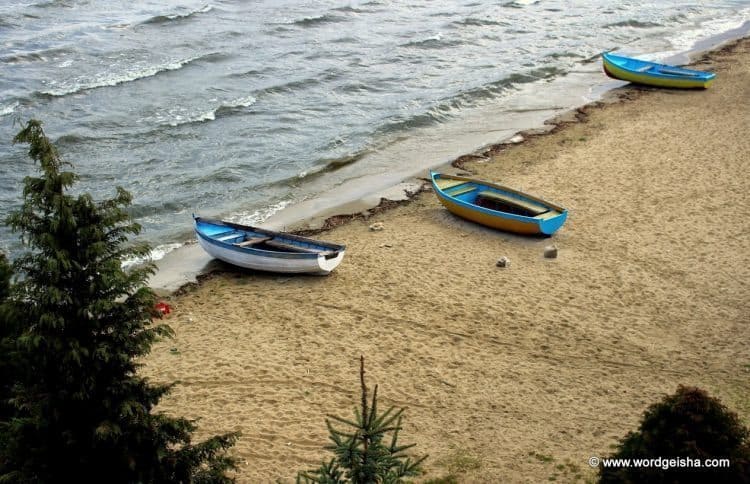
(550, 252)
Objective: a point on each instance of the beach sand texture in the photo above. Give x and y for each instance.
(513, 374)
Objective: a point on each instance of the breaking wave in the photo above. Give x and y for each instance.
(319, 20)
(434, 42)
(109, 79)
(156, 254)
(636, 24)
(8, 108)
(520, 3)
(37, 56)
(479, 22)
(162, 19)
(225, 109)
(258, 216)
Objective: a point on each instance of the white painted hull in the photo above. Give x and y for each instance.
(289, 264)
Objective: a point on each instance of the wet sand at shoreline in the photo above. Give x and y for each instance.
(511, 374)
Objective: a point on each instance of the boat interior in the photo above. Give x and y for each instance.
(504, 203)
(242, 239)
(494, 200)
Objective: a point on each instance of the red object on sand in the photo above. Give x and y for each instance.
(163, 307)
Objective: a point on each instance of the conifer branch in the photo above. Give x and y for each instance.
(361, 456)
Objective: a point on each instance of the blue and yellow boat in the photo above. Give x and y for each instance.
(497, 206)
(653, 74)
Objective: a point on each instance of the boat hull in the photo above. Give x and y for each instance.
(500, 223)
(466, 207)
(286, 262)
(653, 74)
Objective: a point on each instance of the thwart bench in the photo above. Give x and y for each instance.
(296, 248)
(252, 241)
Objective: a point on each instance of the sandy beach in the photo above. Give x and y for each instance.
(515, 374)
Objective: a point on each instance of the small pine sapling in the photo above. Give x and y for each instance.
(361, 453)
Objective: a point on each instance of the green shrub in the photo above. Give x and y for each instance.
(688, 424)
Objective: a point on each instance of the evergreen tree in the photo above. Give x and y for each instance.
(688, 424)
(7, 337)
(79, 411)
(361, 456)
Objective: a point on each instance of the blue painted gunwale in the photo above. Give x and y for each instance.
(654, 74)
(209, 229)
(530, 225)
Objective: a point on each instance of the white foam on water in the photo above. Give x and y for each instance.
(257, 217)
(178, 116)
(108, 79)
(687, 37)
(204, 9)
(157, 253)
(179, 120)
(8, 109)
(241, 102)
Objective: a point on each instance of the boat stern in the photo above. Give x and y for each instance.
(552, 224)
(328, 262)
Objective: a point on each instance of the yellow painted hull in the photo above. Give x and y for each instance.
(698, 80)
(490, 221)
(460, 196)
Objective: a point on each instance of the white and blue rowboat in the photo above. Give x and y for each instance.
(266, 250)
(653, 74)
(497, 206)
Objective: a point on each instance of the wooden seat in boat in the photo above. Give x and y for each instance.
(252, 241)
(295, 248)
(446, 183)
(232, 234)
(462, 190)
(675, 72)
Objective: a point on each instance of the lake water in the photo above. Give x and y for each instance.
(241, 109)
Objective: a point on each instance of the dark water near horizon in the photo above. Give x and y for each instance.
(238, 109)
